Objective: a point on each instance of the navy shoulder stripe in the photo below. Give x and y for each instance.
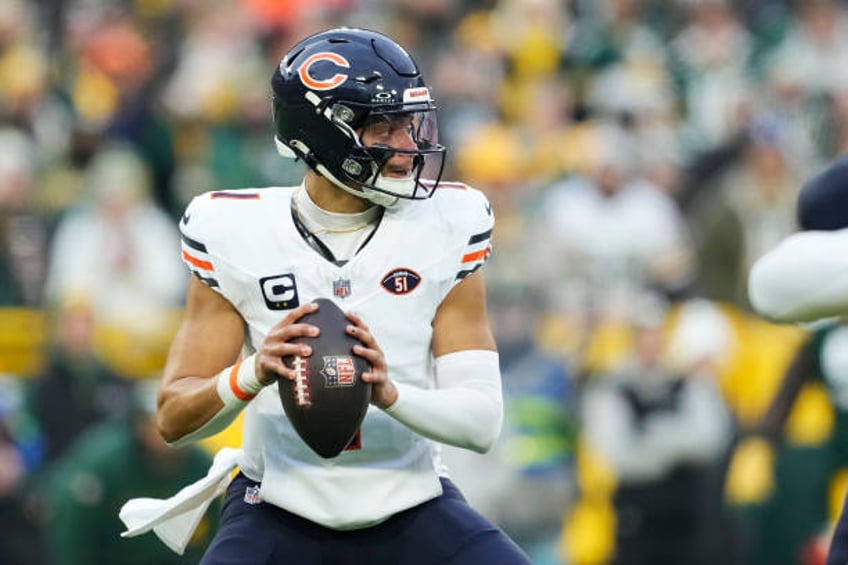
(477, 238)
(462, 274)
(208, 281)
(194, 244)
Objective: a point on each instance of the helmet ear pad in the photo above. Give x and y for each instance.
(365, 163)
(347, 161)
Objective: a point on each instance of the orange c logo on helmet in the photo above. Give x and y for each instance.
(326, 84)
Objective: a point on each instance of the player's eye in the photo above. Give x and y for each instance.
(380, 130)
(387, 125)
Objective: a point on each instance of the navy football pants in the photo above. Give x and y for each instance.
(838, 554)
(442, 531)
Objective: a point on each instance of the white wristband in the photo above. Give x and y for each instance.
(238, 384)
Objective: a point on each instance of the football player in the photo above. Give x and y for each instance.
(805, 278)
(373, 227)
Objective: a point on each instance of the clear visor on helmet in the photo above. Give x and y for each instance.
(405, 152)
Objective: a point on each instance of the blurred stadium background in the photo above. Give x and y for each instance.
(639, 155)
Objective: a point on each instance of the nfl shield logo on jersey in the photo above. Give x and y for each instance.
(251, 495)
(341, 288)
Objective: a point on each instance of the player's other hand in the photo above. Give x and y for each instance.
(277, 345)
(383, 391)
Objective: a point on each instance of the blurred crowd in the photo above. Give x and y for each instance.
(638, 154)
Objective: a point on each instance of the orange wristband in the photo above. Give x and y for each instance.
(239, 383)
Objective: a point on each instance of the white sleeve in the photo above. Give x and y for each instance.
(466, 407)
(804, 278)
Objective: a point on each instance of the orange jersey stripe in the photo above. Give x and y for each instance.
(240, 394)
(199, 263)
(476, 256)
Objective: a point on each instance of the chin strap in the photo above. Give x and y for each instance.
(374, 196)
(403, 186)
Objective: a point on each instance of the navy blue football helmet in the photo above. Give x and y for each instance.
(333, 84)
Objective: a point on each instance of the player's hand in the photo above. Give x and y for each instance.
(276, 345)
(383, 391)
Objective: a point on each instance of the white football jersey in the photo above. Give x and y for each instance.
(245, 245)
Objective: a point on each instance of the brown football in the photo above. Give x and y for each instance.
(328, 400)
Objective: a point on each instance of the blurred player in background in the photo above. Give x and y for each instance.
(402, 255)
(805, 278)
(112, 461)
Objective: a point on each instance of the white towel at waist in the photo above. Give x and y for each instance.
(175, 519)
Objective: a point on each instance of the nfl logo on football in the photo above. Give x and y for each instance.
(338, 371)
(341, 288)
